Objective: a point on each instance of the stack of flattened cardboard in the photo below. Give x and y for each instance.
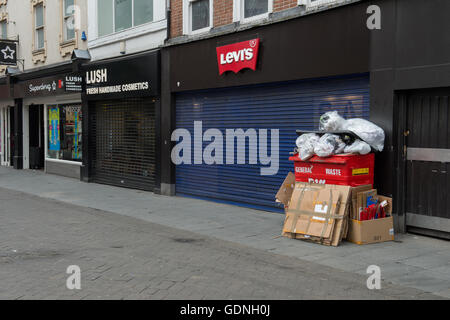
(318, 213)
(284, 194)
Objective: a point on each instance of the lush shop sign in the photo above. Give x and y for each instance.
(237, 56)
(138, 76)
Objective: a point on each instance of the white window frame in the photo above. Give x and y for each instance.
(238, 12)
(187, 18)
(66, 18)
(36, 28)
(4, 24)
(317, 3)
(133, 26)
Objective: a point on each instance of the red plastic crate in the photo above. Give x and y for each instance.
(346, 170)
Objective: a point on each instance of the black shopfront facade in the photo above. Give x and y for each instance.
(401, 71)
(305, 66)
(47, 120)
(121, 108)
(410, 99)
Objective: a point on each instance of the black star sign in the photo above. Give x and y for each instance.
(8, 53)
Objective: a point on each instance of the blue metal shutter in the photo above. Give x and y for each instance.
(285, 106)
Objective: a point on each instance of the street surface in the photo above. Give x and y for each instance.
(122, 257)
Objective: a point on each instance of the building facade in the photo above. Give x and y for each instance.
(42, 119)
(121, 99)
(155, 94)
(307, 57)
(265, 68)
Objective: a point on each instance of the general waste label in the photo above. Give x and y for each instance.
(360, 171)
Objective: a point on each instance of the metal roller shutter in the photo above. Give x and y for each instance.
(123, 148)
(284, 106)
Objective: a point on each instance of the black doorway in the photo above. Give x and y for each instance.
(11, 136)
(424, 161)
(36, 133)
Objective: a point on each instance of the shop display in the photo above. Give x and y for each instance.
(64, 132)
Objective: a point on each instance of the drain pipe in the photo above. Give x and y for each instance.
(168, 19)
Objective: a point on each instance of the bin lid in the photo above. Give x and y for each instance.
(338, 158)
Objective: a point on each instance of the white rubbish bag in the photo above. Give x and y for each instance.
(366, 130)
(305, 145)
(358, 146)
(331, 121)
(328, 145)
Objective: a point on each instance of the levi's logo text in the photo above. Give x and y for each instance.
(238, 56)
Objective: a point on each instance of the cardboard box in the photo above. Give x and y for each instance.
(318, 213)
(354, 208)
(373, 231)
(361, 201)
(284, 194)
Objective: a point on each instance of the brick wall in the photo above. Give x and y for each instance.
(223, 12)
(176, 19)
(280, 5)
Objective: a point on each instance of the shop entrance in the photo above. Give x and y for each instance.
(122, 148)
(427, 162)
(36, 134)
(6, 135)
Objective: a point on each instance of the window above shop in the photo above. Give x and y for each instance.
(197, 16)
(39, 27)
(68, 20)
(118, 15)
(4, 29)
(251, 10)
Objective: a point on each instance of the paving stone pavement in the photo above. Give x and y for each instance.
(122, 257)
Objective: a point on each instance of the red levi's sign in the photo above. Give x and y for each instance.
(237, 56)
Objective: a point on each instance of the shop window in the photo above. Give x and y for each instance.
(119, 15)
(39, 26)
(64, 132)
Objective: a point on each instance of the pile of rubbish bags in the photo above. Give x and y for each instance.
(371, 136)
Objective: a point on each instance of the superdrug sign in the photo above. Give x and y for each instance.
(237, 56)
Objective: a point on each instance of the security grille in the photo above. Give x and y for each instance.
(123, 145)
(284, 106)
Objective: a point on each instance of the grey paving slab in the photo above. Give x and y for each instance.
(251, 228)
